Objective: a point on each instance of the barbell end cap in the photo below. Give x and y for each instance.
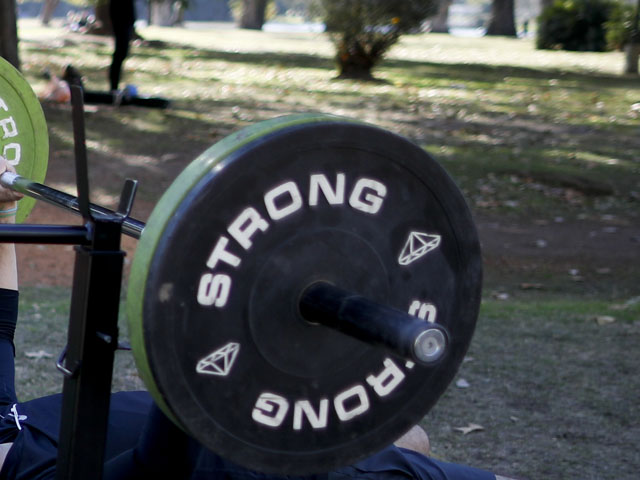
(8, 179)
(430, 346)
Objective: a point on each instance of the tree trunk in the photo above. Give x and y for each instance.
(103, 20)
(48, 7)
(502, 18)
(354, 60)
(166, 13)
(253, 14)
(632, 51)
(440, 21)
(161, 13)
(9, 32)
(178, 14)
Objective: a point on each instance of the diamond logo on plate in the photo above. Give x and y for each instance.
(418, 245)
(219, 362)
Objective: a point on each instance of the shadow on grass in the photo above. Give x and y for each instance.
(171, 139)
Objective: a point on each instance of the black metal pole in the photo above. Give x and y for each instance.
(80, 147)
(88, 362)
(45, 234)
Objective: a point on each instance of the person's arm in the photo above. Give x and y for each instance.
(8, 208)
(8, 267)
(8, 294)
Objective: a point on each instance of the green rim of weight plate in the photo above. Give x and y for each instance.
(21, 113)
(212, 159)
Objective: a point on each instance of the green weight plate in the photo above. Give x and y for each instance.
(24, 138)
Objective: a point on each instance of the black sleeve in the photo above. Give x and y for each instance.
(8, 313)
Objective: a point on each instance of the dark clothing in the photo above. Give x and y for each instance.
(33, 455)
(123, 17)
(142, 444)
(35, 446)
(123, 13)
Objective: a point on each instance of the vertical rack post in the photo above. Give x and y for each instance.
(87, 361)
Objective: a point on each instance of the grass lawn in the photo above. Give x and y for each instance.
(545, 146)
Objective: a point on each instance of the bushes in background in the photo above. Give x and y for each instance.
(585, 25)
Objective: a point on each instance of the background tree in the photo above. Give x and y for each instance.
(9, 32)
(167, 13)
(502, 20)
(48, 7)
(253, 14)
(632, 49)
(364, 30)
(620, 25)
(578, 25)
(103, 18)
(440, 21)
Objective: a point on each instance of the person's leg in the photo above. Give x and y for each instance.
(394, 463)
(163, 451)
(122, 36)
(415, 439)
(7, 374)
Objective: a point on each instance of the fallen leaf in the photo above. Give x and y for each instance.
(38, 355)
(462, 383)
(629, 303)
(541, 243)
(501, 296)
(472, 427)
(531, 286)
(604, 319)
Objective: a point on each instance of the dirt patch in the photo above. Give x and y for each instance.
(556, 255)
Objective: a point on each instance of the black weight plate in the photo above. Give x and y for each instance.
(249, 378)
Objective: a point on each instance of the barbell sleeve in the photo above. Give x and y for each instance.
(373, 323)
(130, 226)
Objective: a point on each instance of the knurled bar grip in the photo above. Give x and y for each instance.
(130, 226)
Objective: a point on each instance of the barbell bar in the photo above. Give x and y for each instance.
(38, 191)
(375, 324)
